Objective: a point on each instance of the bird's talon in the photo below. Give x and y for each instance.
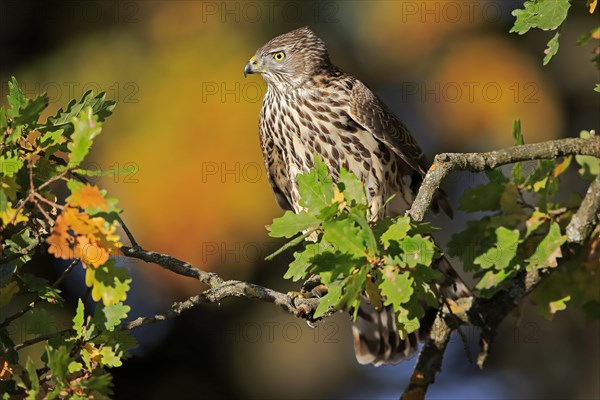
(303, 309)
(319, 291)
(292, 296)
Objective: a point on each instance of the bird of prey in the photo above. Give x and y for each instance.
(311, 106)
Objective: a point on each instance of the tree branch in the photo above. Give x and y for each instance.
(219, 289)
(586, 218)
(31, 305)
(484, 313)
(478, 162)
(489, 313)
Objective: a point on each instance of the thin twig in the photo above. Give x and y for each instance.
(479, 162)
(219, 289)
(35, 340)
(31, 305)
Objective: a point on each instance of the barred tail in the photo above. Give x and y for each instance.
(376, 339)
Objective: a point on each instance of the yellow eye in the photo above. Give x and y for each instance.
(279, 56)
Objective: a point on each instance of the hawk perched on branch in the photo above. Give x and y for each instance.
(311, 106)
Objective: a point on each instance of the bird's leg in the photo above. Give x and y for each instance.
(312, 287)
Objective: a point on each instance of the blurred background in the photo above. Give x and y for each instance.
(187, 119)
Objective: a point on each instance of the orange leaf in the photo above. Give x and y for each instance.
(76, 235)
(5, 371)
(91, 253)
(562, 167)
(87, 196)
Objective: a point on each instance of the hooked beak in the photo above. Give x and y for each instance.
(251, 67)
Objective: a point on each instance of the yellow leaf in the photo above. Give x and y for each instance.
(338, 197)
(559, 305)
(562, 167)
(12, 216)
(592, 4)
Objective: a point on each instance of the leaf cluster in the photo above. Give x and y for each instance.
(387, 261)
(39, 161)
(550, 15)
(522, 228)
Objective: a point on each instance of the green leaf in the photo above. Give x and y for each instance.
(292, 243)
(492, 279)
(517, 135)
(482, 197)
(315, 188)
(101, 108)
(51, 138)
(118, 339)
(590, 167)
(8, 192)
(99, 384)
(33, 378)
(110, 357)
(78, 319)
(417, 250)
(298, 268)
(426, 274)
(539, 177)
(465, 244)
(114, 314)
(396, 287)
(108, 282)
(542, 14)
(508, 201)
(86, 128)
(59, 359)
(552, 48)
(597, 88)
(548, 251)
(353, 291)
(16, 99)
(74, 366)
(534, 222)
(496, 176)
(290, 224)
(10, 163)
(39, 322)
(43, 289)
(331, 299)
(358, 214)
(330, 265)
(352, 187)
(396, 232)
(408, 317)
(345, 236)
(502, 252)
(30, 112)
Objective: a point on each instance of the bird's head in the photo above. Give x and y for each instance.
(290, 59)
